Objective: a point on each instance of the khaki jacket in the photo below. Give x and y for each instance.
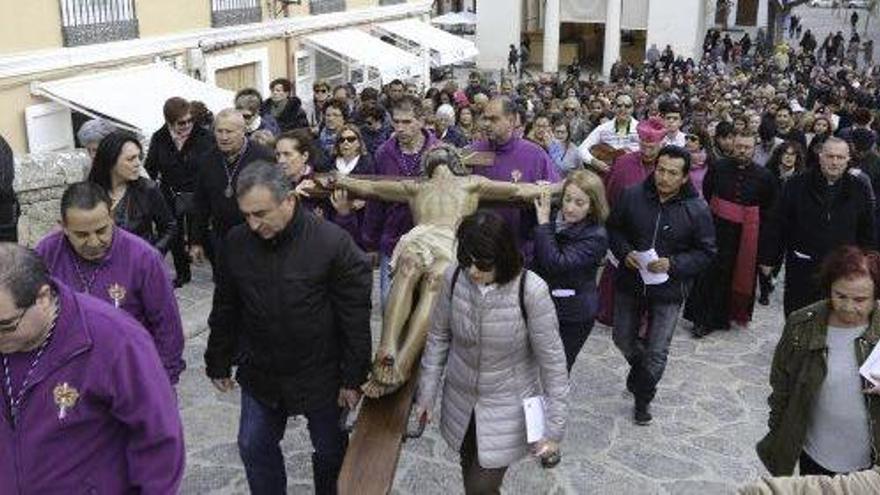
(861, 482)
(800, 364)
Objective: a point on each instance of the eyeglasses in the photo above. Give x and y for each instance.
(692, 137)
(484, 265)
(320, 90)
(10, 326)
(624, 105)
(183, 123)
(571, 109)
(247, 116)
(349, 139)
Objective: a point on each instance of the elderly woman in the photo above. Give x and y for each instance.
(91, 133)
(447, 131)
(495, 337)
(822, 412)
(137, 204)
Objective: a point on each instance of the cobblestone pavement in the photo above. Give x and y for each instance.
(709, 413)
(822, 21)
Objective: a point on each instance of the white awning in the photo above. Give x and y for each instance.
(132, 97)
(446, 48)
(356, 46)
(455, 18)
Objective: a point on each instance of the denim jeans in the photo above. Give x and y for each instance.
(260, 431)
(647, 358)
(384, 278)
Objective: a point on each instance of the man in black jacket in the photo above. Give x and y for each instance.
(819, 211)
(8, 203)
(663, 234)
(292, 302)
(216, 179)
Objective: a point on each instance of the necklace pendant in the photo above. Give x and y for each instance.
(228, 191)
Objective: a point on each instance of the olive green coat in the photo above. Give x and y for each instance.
(799, 368)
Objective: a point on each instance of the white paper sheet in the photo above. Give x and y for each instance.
(650, 278)
(534, 409)
(872, 366)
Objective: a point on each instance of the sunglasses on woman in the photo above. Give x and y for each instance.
(484, 265)
(349, 139)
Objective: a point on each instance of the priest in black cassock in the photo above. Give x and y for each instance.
(740, 194)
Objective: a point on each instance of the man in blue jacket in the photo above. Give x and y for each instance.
(663, 234)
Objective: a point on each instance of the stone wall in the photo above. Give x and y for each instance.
(40, 179)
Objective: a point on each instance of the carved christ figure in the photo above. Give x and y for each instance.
(438, 204)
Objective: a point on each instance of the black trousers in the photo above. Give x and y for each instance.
(808, 466)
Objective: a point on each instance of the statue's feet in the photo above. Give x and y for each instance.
(374, 389)
(385, 369)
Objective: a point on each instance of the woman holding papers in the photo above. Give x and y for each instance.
(823, 414)
(495, 334)
(570, 245)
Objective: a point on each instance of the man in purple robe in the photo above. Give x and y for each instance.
(92, 256)
(85, 407)
(401, 155)
(516, 160)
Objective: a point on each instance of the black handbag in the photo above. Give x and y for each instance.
(184, 202)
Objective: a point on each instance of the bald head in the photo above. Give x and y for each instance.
(229, 127)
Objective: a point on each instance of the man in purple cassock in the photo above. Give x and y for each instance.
(94, 257)
(84, 405)
(516, 160)
(401, 155)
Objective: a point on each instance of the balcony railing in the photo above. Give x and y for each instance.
(391, 2)
(86, 22)
(326, 6)
(233, 12)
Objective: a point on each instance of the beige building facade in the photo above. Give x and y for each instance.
(229, 44)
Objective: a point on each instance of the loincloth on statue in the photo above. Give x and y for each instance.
(426, 244)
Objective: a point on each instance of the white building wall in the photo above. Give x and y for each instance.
(499, 24)
(679, 23)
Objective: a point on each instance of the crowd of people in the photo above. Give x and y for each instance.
(688, 185)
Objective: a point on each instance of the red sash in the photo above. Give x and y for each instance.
(744, 270)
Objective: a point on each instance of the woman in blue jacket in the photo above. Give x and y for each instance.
(570, 245)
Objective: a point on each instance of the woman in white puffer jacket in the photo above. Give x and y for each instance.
(494, 331)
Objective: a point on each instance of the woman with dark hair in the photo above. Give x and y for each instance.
(172, 162)
(697, 143)
(570, 244)
(137, 204)
(786, 161)
(822, 412)
(767, 140)
(494, 324)
(295, 153)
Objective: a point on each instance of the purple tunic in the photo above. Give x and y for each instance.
(136, 268)
(518, 160)
(386, 222)
(122, 434)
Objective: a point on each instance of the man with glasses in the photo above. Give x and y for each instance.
(172, 162)
(320, 96)
(335, 116)
(92, 256)
(84, 402)
(740, 194)
(613, 138)
(215, 210)
(818, 211)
